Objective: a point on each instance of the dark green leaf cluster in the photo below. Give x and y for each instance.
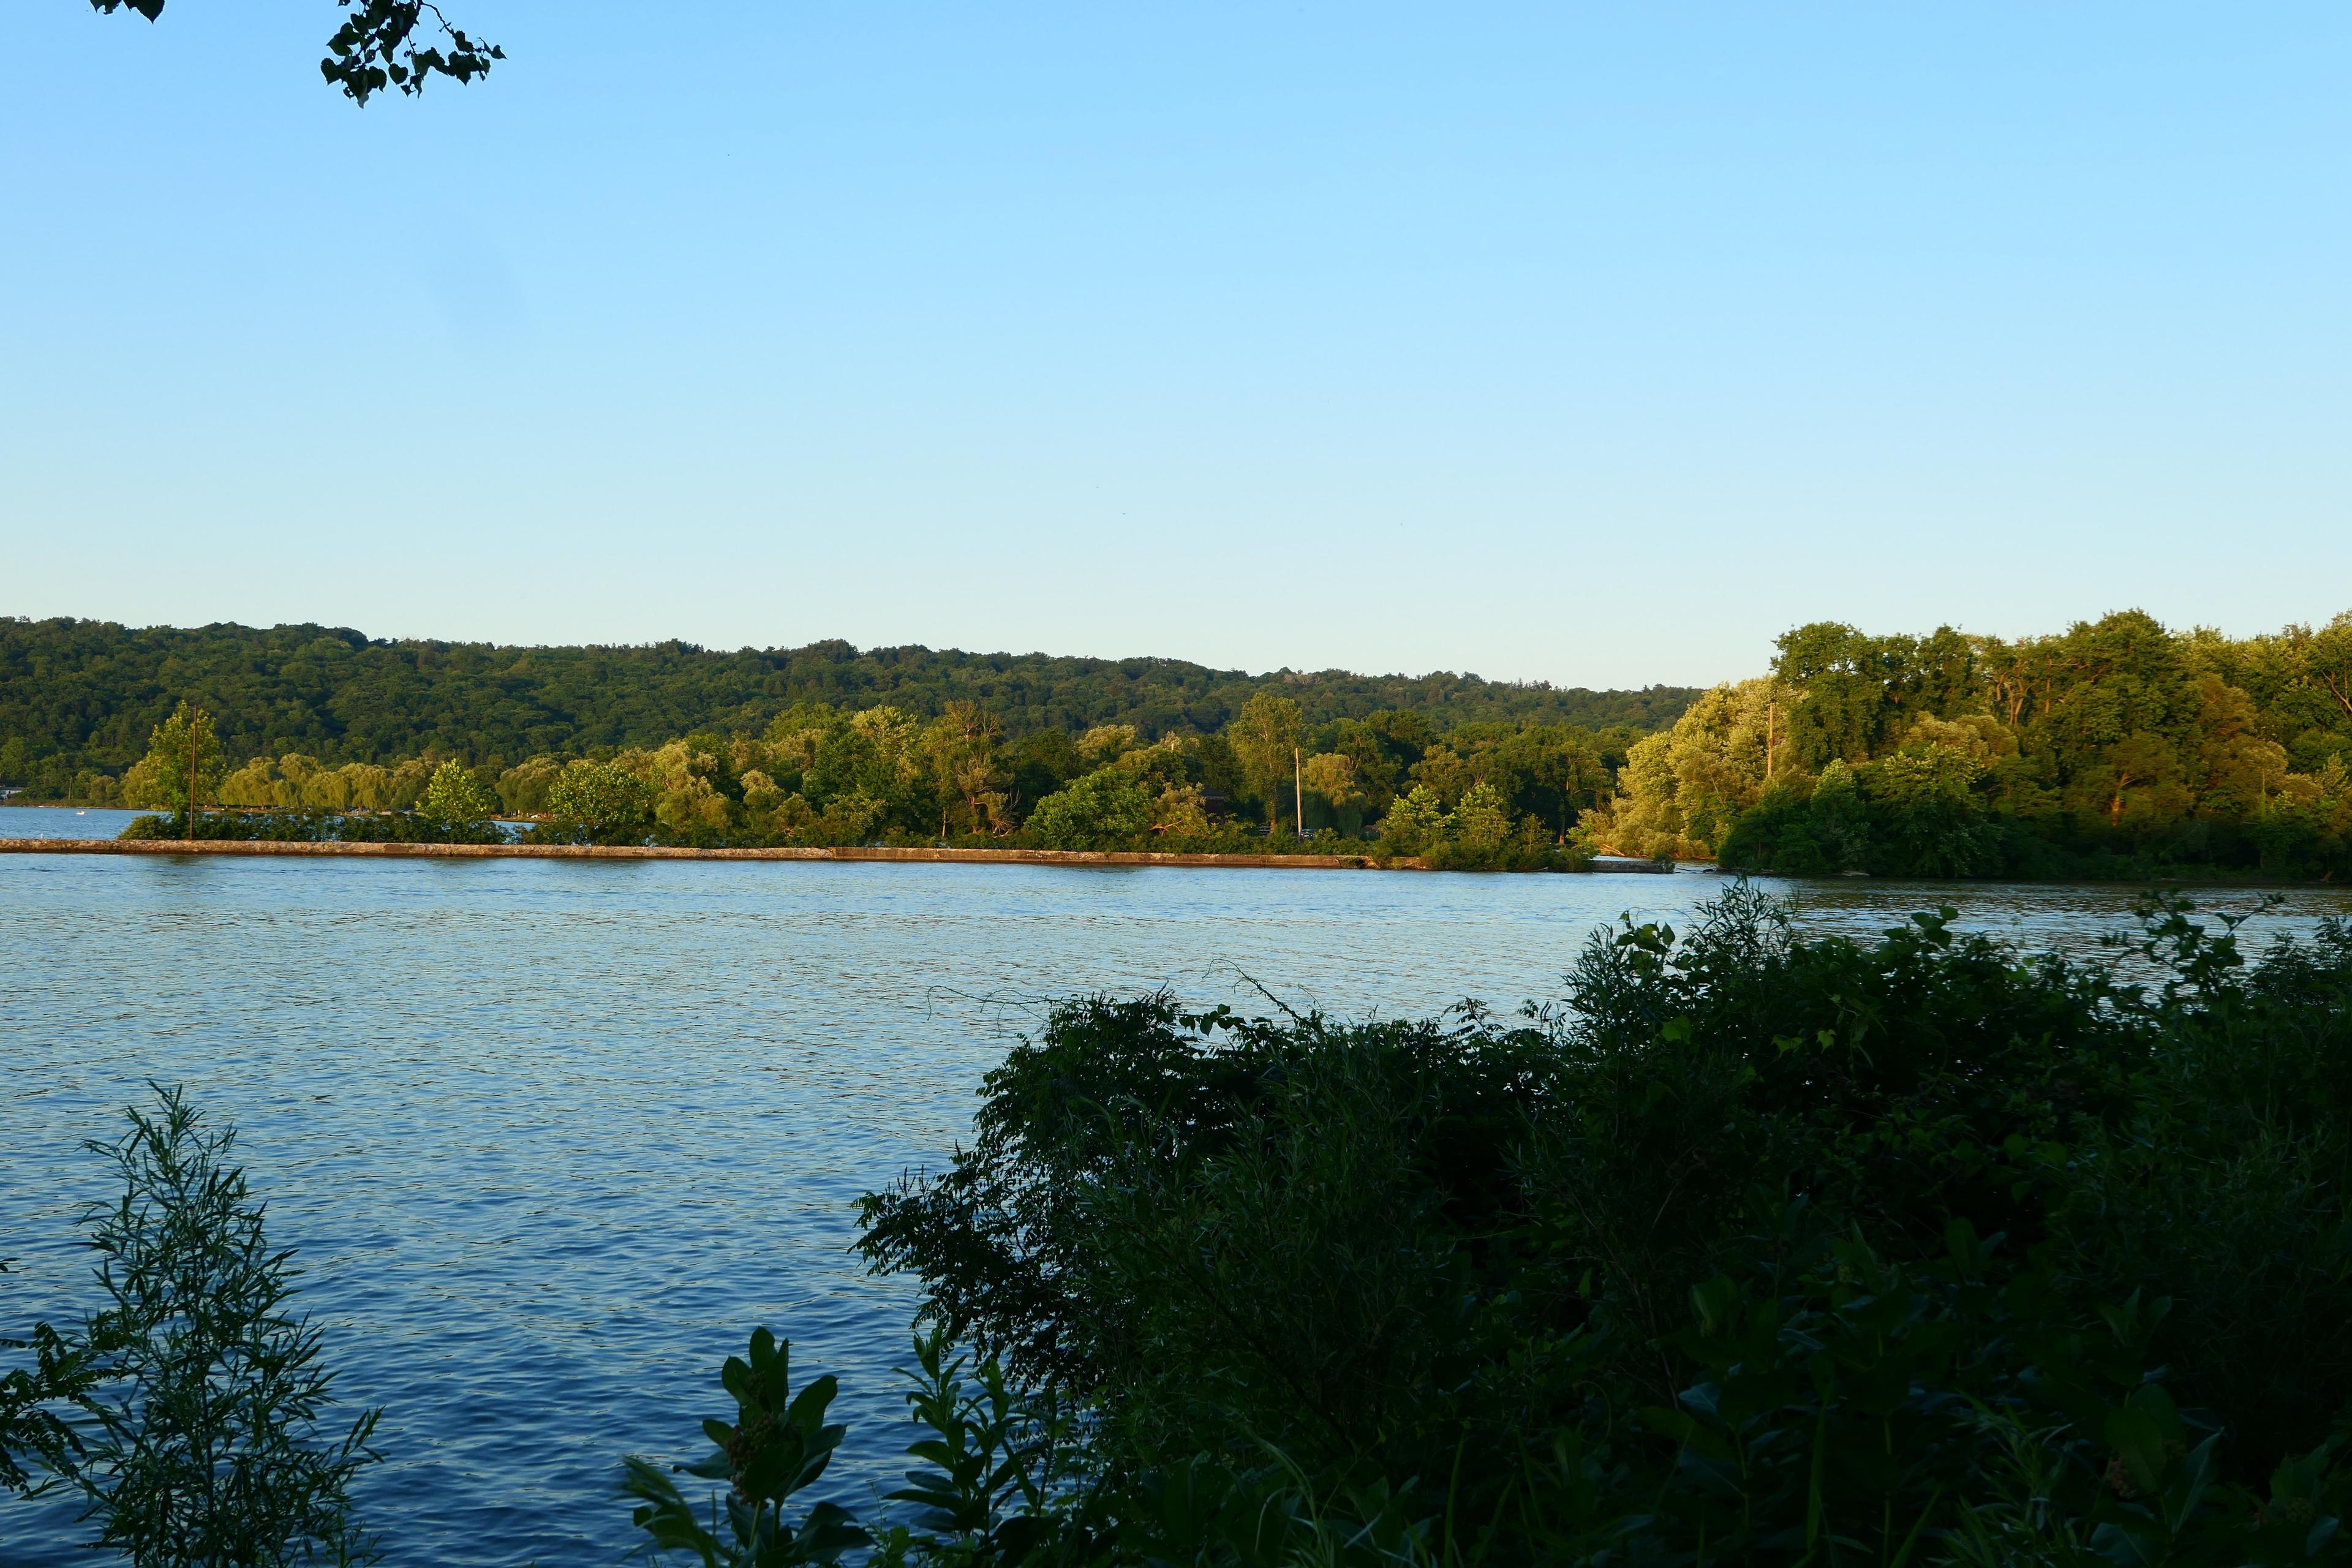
(315, 827)
(1755, 1248)
(998, 1478)
(187, 1411)
(39, 1444)
(998, 1469)
(777, 1445)
(376, 45)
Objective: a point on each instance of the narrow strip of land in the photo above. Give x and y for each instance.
(664, 852)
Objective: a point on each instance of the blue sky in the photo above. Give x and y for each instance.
(1596, 345)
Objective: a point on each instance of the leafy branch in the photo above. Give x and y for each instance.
(378, 45)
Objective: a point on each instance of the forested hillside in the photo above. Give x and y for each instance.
(2116, 747)
(81, 696)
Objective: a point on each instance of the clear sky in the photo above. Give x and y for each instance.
(1583, 344)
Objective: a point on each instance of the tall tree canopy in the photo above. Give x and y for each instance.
(2116, 745)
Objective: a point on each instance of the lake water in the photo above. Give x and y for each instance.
(554, 1136)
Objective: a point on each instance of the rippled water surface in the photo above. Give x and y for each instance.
(552, 1136)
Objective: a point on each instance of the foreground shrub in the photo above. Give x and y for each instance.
(1755, 1248)
(194, 1397)
(39, 1445)
(997, 1478)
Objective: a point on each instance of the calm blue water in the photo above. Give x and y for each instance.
(552, 1136)
(61, 822)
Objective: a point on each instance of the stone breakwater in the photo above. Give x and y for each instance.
(654, 852)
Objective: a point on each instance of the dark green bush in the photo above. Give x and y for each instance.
(1755, 1247)
(298, 826)
(189, 1410)
(1831, 832)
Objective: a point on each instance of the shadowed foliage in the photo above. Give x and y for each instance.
(1754, 1249)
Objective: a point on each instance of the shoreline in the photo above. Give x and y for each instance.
(1103, 857)
(1606, 865)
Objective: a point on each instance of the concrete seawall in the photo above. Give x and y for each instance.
(654, 852)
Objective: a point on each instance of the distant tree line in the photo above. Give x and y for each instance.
(80, 699)
(2116, 747)
(1489, 794)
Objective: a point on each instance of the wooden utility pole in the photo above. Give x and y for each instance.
(1297, 794)
(195, 713)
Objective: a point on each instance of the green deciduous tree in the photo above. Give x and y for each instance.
(1482, 823)
(2114, 748)
(454, 796)
(182, 765)
(1416, 823)
(1332, 776)
(1104, 810)
(2322, 661)
(523, 789)
(959, 749)
(1859, 691)
(1266, 738)
(601, 800)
